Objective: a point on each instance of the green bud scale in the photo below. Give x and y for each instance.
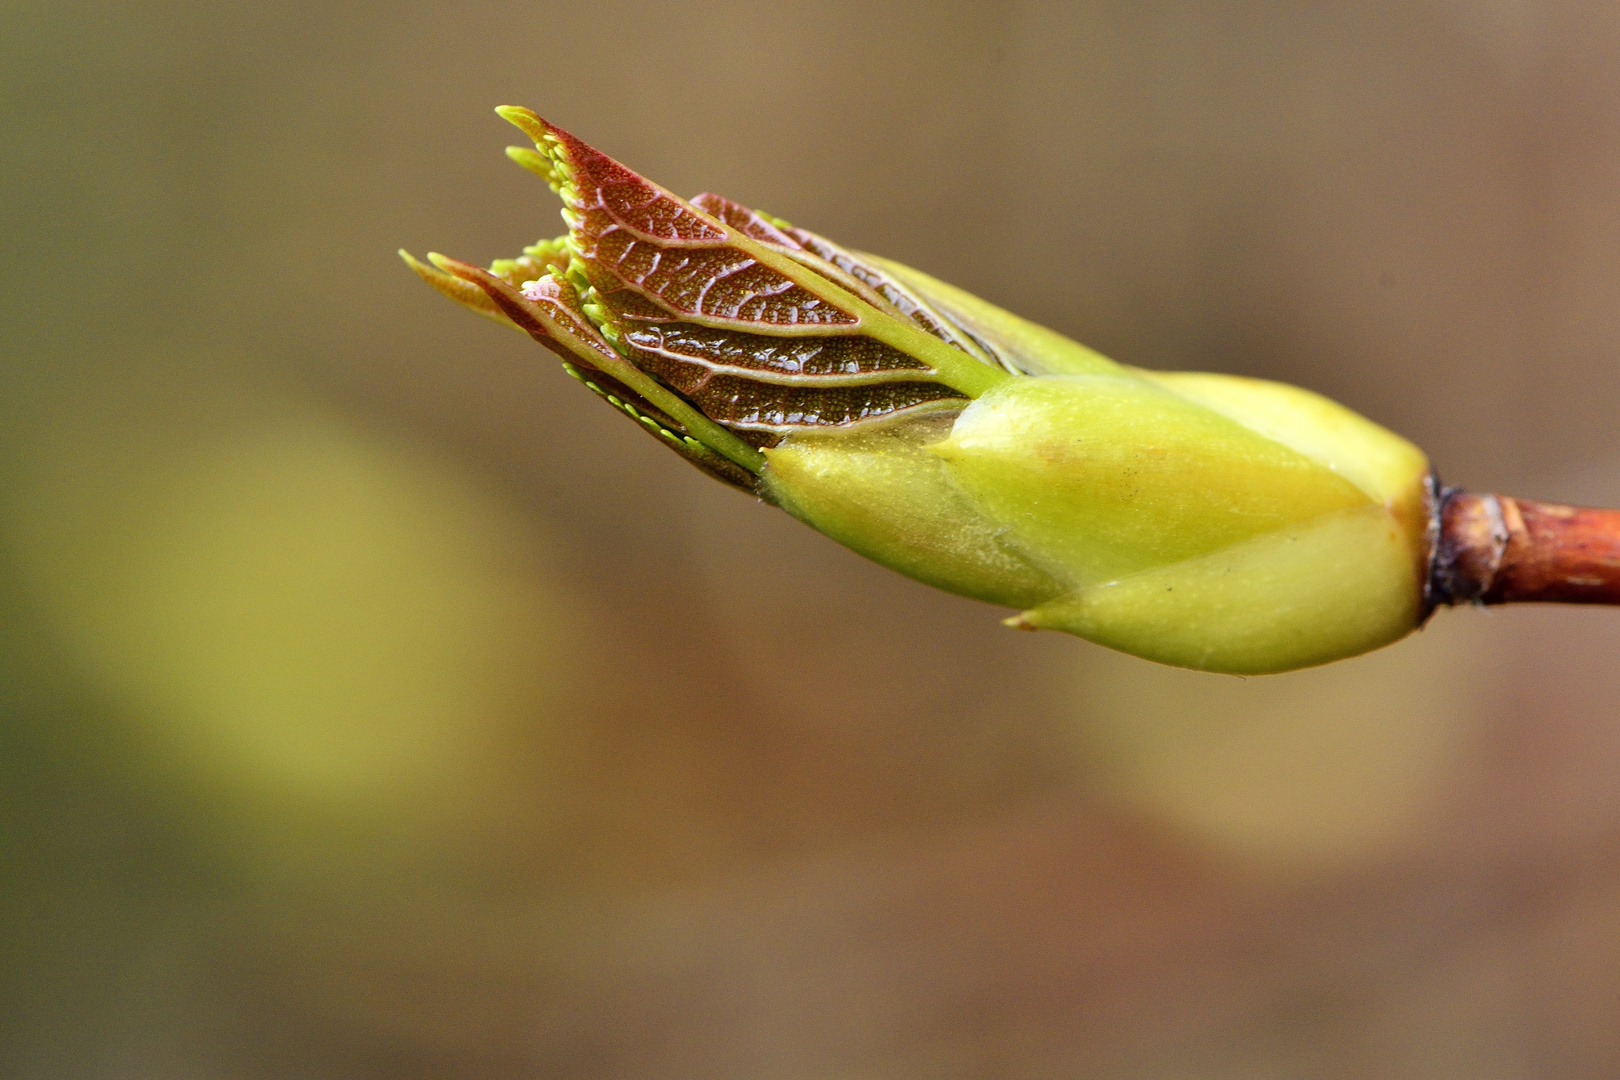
(1207, 521)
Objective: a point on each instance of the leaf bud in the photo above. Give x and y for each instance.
(1207, 521)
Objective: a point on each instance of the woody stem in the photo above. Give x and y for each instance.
(1494, 549)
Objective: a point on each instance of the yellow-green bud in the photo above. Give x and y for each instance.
(1201, 520)
(1207, 521)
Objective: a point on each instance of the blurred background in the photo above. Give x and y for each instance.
(374, 703)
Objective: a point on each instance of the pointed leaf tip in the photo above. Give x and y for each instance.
(435, 277)
(452, 285)
(524, 119)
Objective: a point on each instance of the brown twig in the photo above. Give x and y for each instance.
(1493, 549)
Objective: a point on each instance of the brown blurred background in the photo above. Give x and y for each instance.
(376, 704)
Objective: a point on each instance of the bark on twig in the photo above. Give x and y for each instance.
(1494, 549)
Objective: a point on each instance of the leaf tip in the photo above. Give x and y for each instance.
(525, 120)
(445, 263)
(444, 276)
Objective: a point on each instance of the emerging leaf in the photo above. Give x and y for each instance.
(1202, 520)
(758, 328)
